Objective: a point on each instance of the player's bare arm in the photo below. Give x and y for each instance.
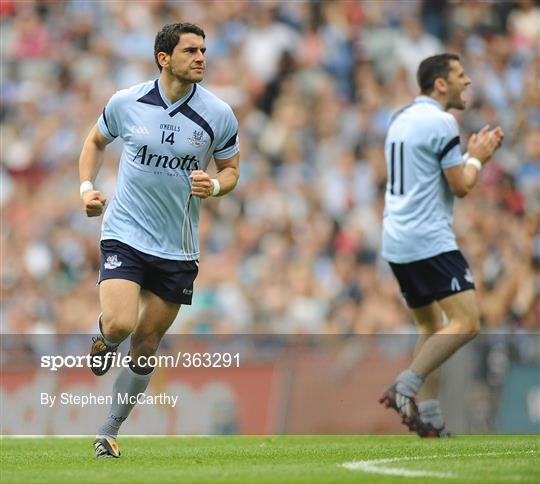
(481, 146)
(227, 177)
(449, 287)
(90, 162)
(149, 252)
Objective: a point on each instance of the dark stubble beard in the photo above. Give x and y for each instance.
(183, 78)
(458, 104)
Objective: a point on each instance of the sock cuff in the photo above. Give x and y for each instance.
(430, 406)
(139, 370)
(106, 436)
(417, 376)
(409, 382)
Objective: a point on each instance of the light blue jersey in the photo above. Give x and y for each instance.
(421, 142)
(153, 209)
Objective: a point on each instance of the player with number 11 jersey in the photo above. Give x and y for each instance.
(425, 170)
(422, 141)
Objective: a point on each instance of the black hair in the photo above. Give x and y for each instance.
(169, 36)
(432, 68)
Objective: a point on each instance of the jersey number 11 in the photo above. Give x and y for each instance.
(396, 190)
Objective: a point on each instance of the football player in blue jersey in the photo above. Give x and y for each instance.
(171, 129)
(426, 170)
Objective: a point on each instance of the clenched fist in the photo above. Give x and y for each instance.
(94, 203)
(201, 184)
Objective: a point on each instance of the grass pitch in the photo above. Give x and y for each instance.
(286, 459)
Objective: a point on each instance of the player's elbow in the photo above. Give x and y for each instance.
(459, 190)
(459, 182)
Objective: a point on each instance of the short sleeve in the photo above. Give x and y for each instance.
(448, 149)
(108, 121)
(227, 144)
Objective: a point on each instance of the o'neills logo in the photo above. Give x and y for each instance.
(187, 162)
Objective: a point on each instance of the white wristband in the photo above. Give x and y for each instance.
(465, 156)
(474, 162)
(85, 186)
(217, 187)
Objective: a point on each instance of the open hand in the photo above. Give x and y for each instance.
(483, 144)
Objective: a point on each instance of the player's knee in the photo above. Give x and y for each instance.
(116, 328)
(469, 324)
(474, 321)
(429, 328)
(474, 328)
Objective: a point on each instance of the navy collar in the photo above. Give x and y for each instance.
(156, 97)
(182, 100)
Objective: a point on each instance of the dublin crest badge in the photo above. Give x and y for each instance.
(197, 138)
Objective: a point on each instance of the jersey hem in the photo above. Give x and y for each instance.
(162, 255)
(418, 257)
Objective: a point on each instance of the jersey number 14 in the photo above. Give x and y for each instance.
(169, 139)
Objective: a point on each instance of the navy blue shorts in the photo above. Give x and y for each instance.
(427, 280)
(171, 280)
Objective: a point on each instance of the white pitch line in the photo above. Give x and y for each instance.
(376, 466)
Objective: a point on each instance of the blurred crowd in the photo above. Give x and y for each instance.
(296, 247)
